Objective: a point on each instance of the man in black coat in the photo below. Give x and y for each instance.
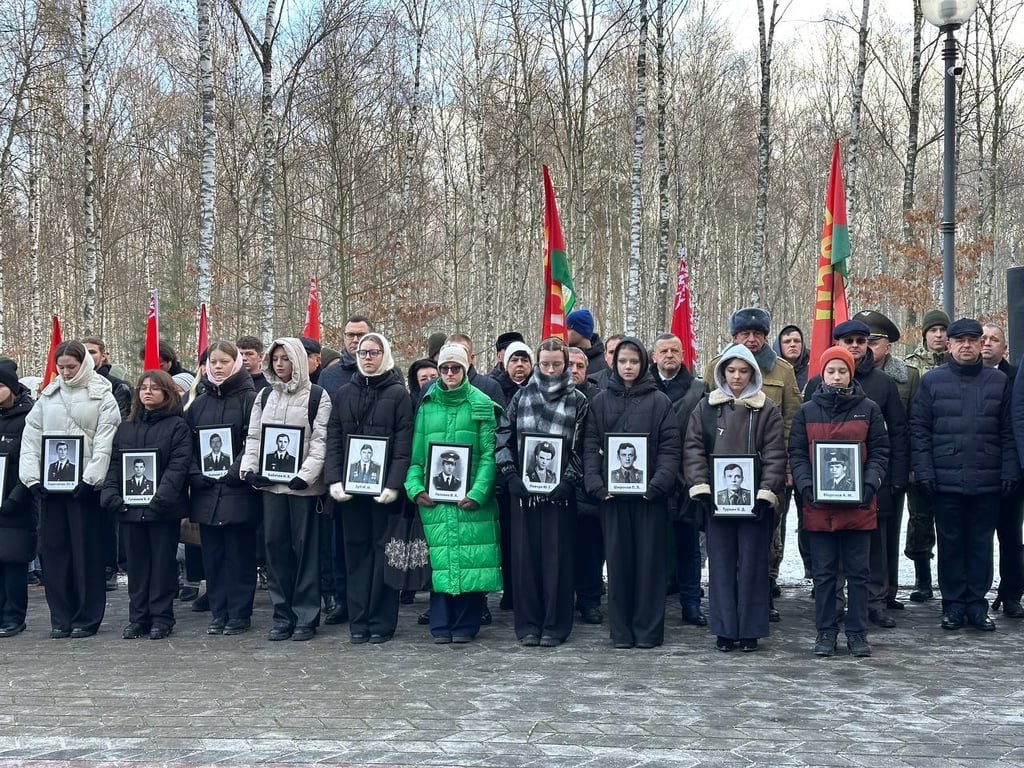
(880, 387)
(1011, 507)
(964, 458)
(251, 350)
(336, 376)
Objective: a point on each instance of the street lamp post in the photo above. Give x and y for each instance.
(948, 16)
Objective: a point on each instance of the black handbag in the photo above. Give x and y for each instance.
(406, 557)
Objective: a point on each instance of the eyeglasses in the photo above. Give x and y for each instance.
(365, 353)
(449, 369)
(856, 340)
(354, 335)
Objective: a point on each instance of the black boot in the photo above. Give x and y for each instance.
(923, 588)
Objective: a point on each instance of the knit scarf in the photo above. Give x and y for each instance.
(766, 358)
(543, 405)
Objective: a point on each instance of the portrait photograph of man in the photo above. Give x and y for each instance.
(449, 472)
(838, 473)
(542, 462)
(733, 491)
(216, 460)
(627, 464)
(366, 458)
(139, 477)
(62, 469)
(734, 484)
(282, 447)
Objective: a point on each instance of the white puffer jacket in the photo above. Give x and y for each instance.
(84, 406)
(288, 404)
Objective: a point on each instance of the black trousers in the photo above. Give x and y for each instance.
(229, 560)
(291, 527)
(372, 604)
(332, 552)
(634, 540)
(738, 586)
(505, 542)
(71, 554)
(1011, 552)
(456, 615)
(893, 526)
(588, 561)
(152, 549)
(542, 550)
(687, 559)
(833, 553)
(964, 527)
(109, 522)
(13, 593)
(878, 579)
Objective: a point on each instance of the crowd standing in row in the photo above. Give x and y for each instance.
(528, 480)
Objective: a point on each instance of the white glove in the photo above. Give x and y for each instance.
(338, 492)
(387, 496)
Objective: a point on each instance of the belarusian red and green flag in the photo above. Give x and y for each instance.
(830, 306)
(558, 293)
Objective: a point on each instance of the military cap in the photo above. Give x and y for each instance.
(879, 324)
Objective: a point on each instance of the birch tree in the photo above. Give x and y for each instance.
(208, 167)
(857, 99)
(636, 197)
(766, 38)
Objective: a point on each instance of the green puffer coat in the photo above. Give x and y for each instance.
(464, 551)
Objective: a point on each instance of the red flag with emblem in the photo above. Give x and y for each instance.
(51, 365)
(151, 361)
(682, 314)
(311, 329)
(558, 292)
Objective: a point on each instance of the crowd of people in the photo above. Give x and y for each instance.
(560, 464)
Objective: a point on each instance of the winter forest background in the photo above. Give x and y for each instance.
(393, 149)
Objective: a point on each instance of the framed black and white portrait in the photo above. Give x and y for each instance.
(138, 477)
(216, 450)
(448, 471)
(626, 470)
(62, 462)
(542, 458)
(366, 461)
(734, 484)
(281, 450)
(837, 472)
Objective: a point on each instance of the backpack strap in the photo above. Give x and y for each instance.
(316, 392)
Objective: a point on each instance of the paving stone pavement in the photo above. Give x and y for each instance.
(926, 698)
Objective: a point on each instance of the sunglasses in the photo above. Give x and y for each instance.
(449, 369)
(858, 340)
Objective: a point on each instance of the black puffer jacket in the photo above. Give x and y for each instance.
(375, 406)
(227, 500)
(162, 430)
(338, 375)
(642, 409)
(18, 511)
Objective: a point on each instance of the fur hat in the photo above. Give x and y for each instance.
(507, 338)
(581, 321)
(453, 353)
(749, 319)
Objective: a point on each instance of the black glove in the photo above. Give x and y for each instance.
(806, 495)
(199, 482)
(707, 506)
(516, 487)
(157, 505)
(762, 509)
(927, 486)
(232, 479)
(258, 481)
(83, 489)
(113, 503)
(652, 494)
(896, 490)
(298, 484)
(9, 507)
(564, 491)
(869, 494)
(38, 490)
(1007, 487)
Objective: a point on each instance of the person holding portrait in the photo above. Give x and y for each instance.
(543, 525)
(462, 537)
(634, 525)
(151, 530)
(839, 535)
(226, 509)
(737, 418)
(78, 402)
(374, 403)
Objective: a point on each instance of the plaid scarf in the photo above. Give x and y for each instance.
(547, 405)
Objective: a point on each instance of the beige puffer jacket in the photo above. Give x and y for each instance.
(288, 404)
(83, 406)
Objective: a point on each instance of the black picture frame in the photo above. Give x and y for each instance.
(273, 465)
(540, 475)
(735, 478)
(625, 476)
(368, 480)
(138, 488)
(838, 473)
(58, 477)
(211, 463)
(448, 487)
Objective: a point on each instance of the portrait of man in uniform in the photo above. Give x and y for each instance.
(733, 493)
(628, 472)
